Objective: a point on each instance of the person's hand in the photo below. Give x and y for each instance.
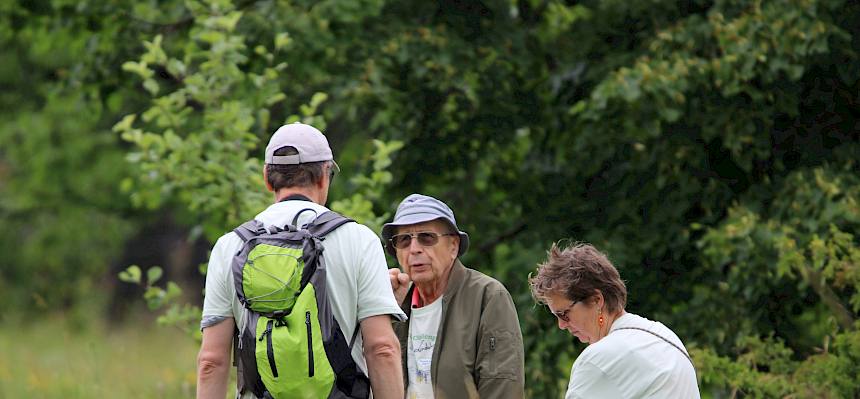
(399, 284)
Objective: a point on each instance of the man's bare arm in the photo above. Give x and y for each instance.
(213, 361)
(382, 351)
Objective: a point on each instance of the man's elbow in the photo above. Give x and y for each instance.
(209, 365)
(383, 348)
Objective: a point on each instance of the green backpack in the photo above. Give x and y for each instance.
(291, 346)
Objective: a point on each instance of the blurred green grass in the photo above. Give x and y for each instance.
(48, 359)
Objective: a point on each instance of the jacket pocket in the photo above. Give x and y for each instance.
(500, 357)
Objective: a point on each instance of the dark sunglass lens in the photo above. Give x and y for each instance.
(401, 240)
(428, 239)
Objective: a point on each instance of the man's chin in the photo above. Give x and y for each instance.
(420, 278)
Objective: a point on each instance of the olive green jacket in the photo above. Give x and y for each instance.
(479, 346)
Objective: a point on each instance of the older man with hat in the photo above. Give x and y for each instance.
(462, 338)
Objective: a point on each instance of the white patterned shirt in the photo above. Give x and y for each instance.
(423, 327)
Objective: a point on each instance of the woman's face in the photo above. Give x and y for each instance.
(579, 318)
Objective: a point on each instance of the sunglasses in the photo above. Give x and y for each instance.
(332, 171)
(425, 238)
(563, 314)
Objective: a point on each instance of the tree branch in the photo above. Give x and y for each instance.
(843, 316)
(486, 246)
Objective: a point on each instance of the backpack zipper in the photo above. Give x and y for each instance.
(270, 352)
(310, 345)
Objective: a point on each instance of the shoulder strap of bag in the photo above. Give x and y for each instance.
(326, 223)
(664, 339)
(250, 229)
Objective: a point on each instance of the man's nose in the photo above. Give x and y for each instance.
(414, 246)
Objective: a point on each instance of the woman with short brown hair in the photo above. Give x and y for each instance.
(628, 356)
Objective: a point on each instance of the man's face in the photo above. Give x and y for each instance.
(428, 264)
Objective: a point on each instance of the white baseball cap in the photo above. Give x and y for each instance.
(306, 139)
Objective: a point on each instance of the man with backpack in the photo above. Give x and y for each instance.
(300, 294)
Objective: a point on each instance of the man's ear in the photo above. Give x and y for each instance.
(266, 179)
(320, 184)
(456, 246)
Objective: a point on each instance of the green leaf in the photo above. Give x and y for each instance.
(275, 99)
(176, 67)
(155, 54)
(124, 124)
(153, 275)
(130, 274)
(154, 297)
(139, 69)
(173, 290)
(211, 37)
(577, 108)
(282, 40)
(229, 21)
(151, 86)
(317, 99)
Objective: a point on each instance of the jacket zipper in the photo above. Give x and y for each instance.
(493, 353)
(270, 352)
(310, 345)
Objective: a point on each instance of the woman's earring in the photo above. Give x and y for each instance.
(600, 317)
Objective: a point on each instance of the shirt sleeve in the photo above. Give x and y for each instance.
(375, 296)
(587, 380)
(499, 364)
(219, 294)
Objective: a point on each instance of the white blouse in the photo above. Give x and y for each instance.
(630, 363)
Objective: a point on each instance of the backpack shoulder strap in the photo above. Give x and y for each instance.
(320, 227)
(250, 229)
(326, 223)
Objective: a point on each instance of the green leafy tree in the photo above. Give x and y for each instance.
(193, 144)
(798, 253)
(62, 218)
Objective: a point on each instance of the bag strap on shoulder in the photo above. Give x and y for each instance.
(687, 355)
(320, 227)
(326, 223)
(250, 229)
